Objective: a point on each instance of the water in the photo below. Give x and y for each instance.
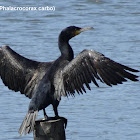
(104, 113)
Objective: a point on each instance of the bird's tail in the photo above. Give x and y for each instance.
(28, 123)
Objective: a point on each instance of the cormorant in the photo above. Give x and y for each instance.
(45, 82)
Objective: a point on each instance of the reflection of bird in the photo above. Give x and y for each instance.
(46, 82)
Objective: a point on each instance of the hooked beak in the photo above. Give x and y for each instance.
(83, 29)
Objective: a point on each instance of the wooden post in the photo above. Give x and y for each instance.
(51, 129)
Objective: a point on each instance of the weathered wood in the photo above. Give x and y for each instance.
(52, 129)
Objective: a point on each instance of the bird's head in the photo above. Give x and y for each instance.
(72, 31)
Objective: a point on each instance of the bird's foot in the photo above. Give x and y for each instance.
(57, 117)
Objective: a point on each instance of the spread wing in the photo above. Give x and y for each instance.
(20, 73)
(91, 66)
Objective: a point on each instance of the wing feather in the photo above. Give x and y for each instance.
(91, 66)
(20, 73)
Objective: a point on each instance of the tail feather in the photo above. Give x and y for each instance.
(28, 123)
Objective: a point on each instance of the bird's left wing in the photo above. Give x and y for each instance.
(91, 66)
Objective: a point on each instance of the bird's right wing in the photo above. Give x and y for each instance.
(89, 66)
(20, 73)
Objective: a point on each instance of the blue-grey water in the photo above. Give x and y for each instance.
(105, 113)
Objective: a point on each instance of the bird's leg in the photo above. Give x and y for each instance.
(55, 105)
(55, 111)
(45, 115)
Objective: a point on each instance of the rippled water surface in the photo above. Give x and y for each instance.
(105, 113)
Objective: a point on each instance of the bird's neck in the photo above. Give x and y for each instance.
(65, 49)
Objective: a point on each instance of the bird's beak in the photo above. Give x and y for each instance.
(83, 29)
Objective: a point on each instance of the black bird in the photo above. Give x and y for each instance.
(45, 82)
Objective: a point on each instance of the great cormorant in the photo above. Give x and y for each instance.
(45, 82)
